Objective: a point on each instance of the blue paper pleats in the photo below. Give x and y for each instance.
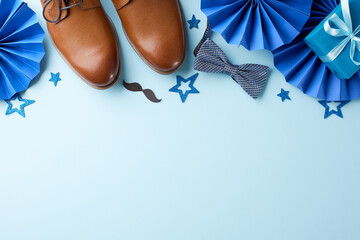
(257, 24)
(21, 48)
(303, 69)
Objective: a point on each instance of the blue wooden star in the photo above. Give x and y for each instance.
(55, 78)
(10, 110)
(328, 113)
(194, 23)
(179, 80)
(284, 95)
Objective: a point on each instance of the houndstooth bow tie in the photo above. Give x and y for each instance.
(251, 77)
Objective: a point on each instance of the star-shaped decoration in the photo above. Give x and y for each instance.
(284, 95)
(55, 78)
(20, 111)
(180, 80)
(194, 23)
(338, 112)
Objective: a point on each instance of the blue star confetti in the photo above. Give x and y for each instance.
(20, 111)
(338, 112)
(194, 23)
(55, 78)
(284, 95)
(180, 80)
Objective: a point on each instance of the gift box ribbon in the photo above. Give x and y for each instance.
(343, 28)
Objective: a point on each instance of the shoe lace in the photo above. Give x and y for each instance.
(47, 2)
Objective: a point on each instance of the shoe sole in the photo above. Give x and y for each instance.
(148, 63)
(81, 77)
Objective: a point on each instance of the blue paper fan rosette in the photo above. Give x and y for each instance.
(257, 24)
(303, 69)
(21, 48)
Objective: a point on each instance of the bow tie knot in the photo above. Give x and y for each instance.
(230, 69)
(251, 77)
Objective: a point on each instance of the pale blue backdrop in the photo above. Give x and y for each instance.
(109, 165)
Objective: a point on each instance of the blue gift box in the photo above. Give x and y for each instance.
(322, 43)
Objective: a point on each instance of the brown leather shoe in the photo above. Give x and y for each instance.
(156, 30)
(86, 38)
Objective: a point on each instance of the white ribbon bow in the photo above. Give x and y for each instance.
(344, 29)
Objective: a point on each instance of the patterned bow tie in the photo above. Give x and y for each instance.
(251, 77)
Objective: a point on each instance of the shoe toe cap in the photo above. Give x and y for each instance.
(166, 58)
(163, 49)
(99, 67)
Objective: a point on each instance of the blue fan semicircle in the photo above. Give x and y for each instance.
(257, 24)
(21, 47)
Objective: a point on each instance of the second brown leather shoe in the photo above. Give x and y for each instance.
(86, 39)
(156, 30)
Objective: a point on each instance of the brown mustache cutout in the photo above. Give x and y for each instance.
(136, 87)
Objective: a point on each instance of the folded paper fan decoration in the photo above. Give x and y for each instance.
(303, 69)
(257, 24)
(21, 48)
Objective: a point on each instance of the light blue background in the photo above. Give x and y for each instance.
(109, 165)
